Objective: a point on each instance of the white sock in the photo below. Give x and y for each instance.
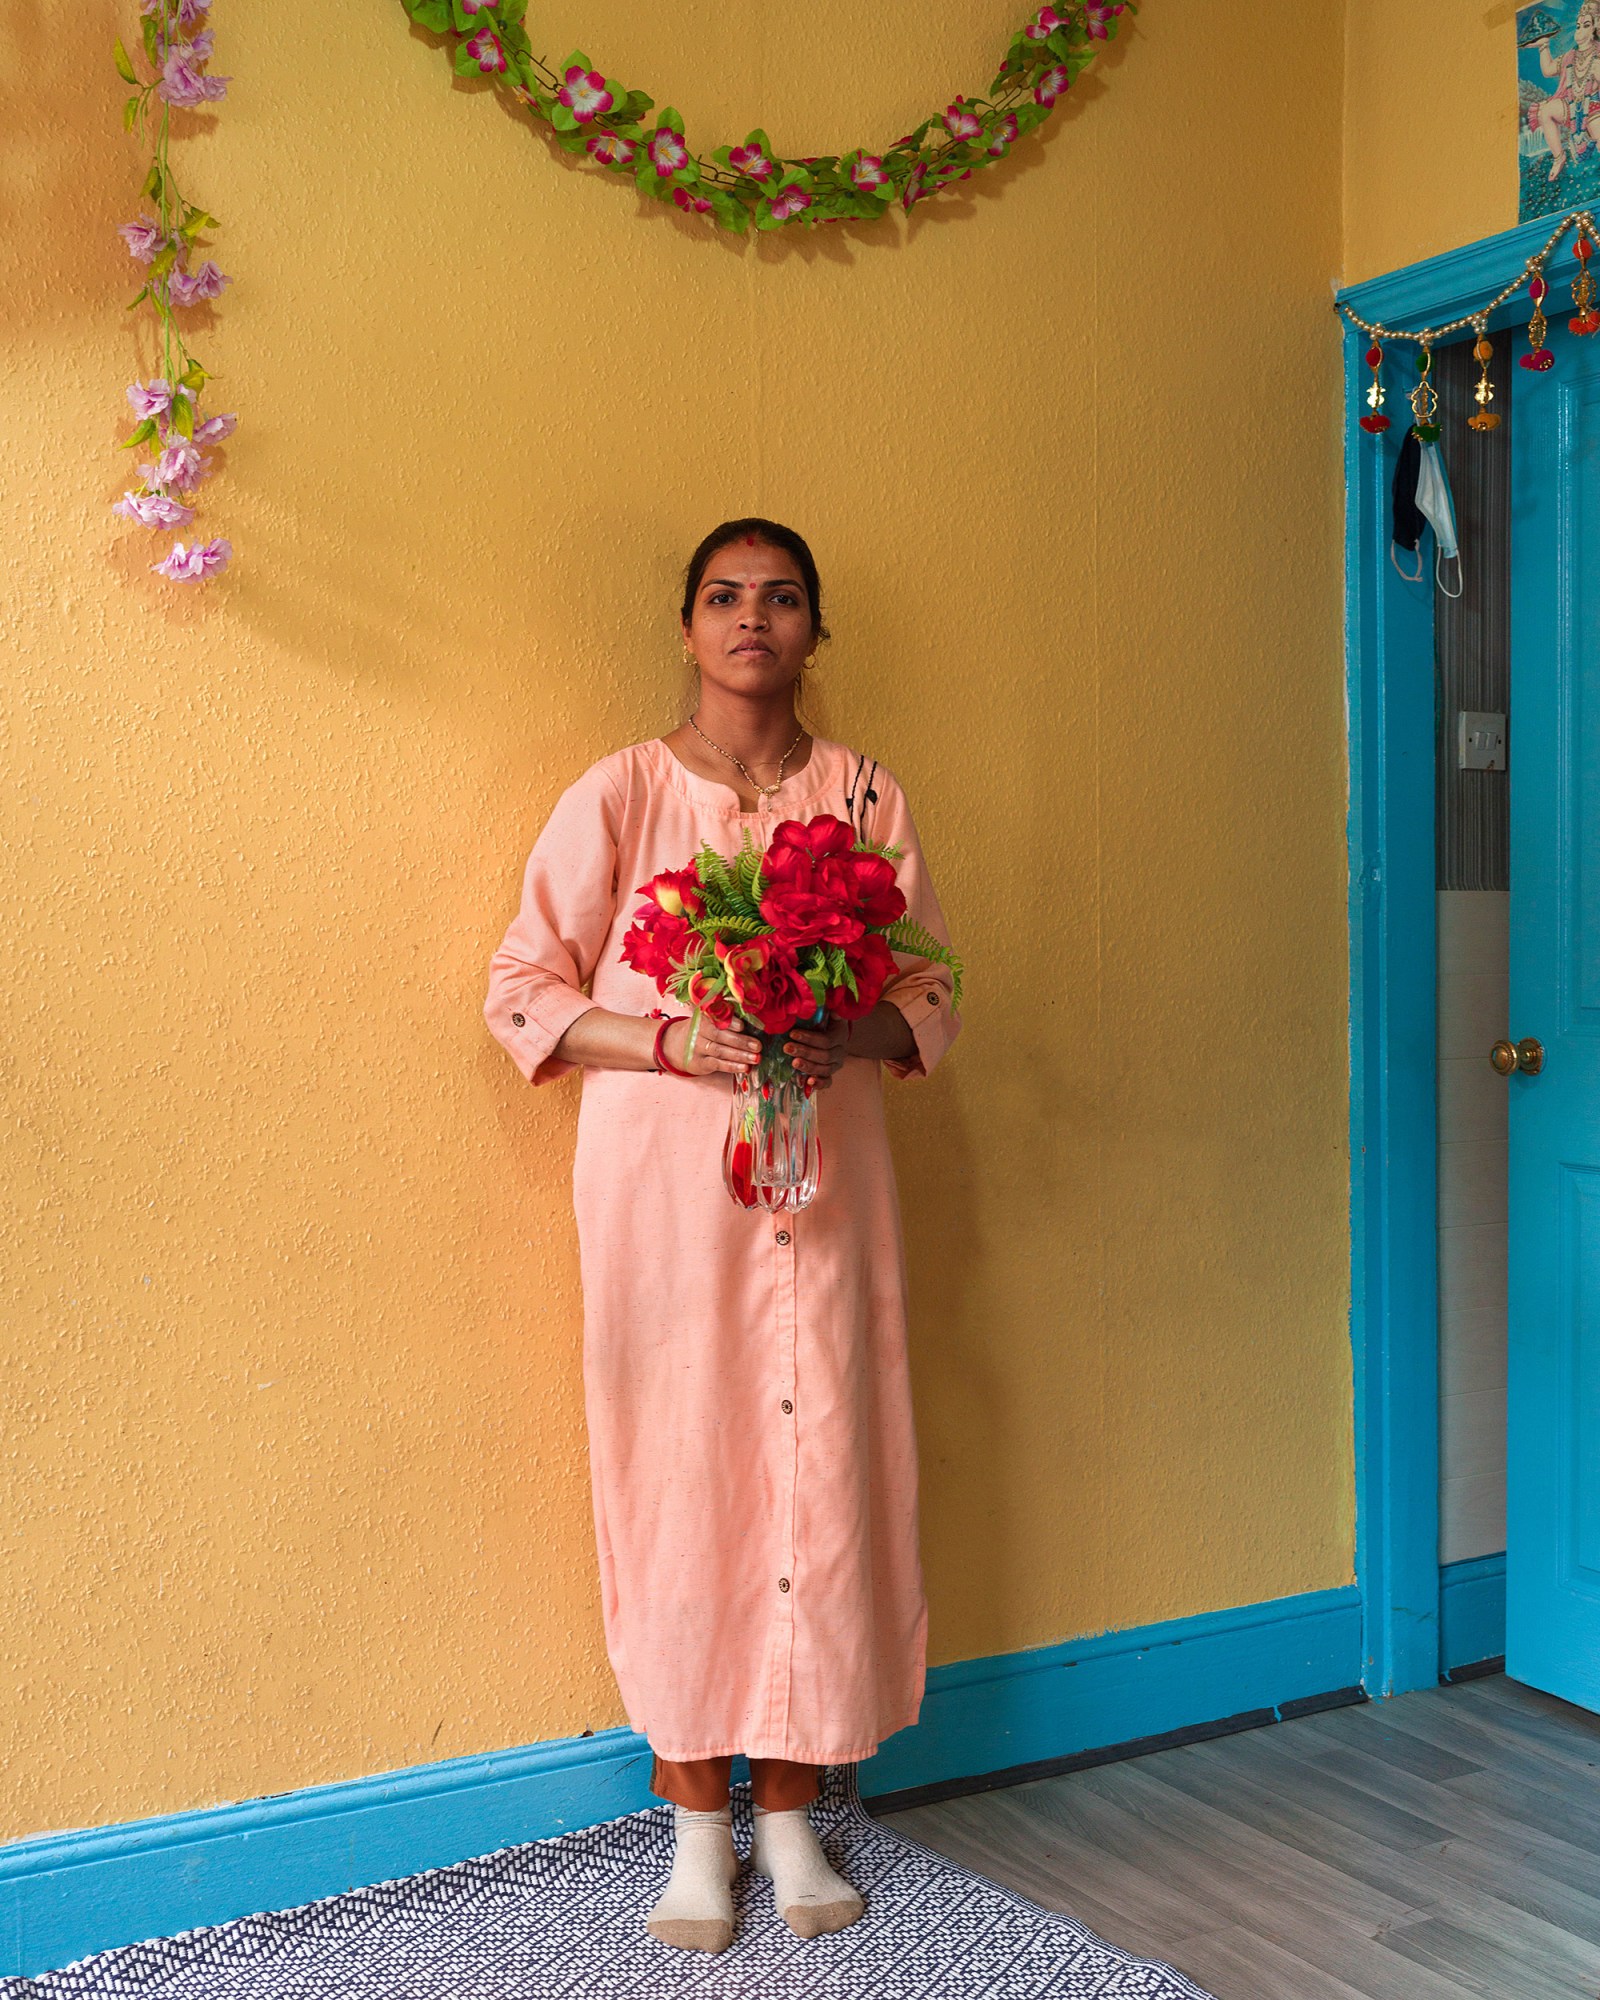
(811, 1897)
(695, 1911)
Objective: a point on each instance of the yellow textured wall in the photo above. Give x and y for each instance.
(1430, 128)
(293, 1451)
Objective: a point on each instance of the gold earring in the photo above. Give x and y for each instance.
(812, 661)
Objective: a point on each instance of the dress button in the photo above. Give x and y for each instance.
(783, 1583)
(783, 1235)
(519, 1021)
(788, 1407)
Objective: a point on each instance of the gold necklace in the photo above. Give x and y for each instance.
(765, 791)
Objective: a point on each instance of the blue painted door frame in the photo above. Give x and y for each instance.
(1553, 1385)
(1393, 1059)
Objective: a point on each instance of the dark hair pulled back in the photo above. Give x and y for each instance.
(776, 536)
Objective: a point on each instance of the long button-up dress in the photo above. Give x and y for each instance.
(752, 1453)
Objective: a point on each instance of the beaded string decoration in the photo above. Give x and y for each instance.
(1375, 420)
(1538, 356)
(1483, 418)
(1585, 319)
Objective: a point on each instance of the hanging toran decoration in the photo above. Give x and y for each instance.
(1424, 399)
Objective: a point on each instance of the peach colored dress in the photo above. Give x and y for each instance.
(752, 1453)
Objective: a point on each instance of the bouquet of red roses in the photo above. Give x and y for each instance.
(803, 931)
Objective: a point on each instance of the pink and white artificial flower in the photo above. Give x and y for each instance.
(189, 11)
(1051, 85)
(153, 510)
(752, 161)
(584, 93)
(155, 398)
(192, 288)
(195, 564)
(215, 429)
(144, 238)
(792, 200)
(867, 172)
(961, 122)
(695, 202)
(183, 85)
(1005, 135)
(180, 465)
(150, 399)
(1042, 29)
(1097, 18)
(487, 51)
(667, 150)
(610, 148)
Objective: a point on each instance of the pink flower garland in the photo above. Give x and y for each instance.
(601, 120)
(167, 407)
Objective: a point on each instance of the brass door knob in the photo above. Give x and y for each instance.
(1526, 1055)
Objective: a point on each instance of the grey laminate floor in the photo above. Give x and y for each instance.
(1443, 1845)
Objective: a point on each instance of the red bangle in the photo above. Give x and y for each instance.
(662, 1060)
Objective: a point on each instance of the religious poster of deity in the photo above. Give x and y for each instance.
(1558, 107)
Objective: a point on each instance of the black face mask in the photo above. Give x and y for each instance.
(1409, 521)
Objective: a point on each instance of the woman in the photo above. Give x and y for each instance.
(752, 1453)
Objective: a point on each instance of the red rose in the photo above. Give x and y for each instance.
(809, 915)
(872, 963)
(865, 884)
(767, 984)
(819, 858)
(656, 944)
(675, 890)
(707, 993)
(812, 838)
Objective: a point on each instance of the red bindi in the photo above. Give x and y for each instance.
(750, 541)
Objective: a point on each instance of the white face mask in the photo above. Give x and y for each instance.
(1434, 502)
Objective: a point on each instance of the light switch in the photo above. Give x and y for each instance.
(1481, 738)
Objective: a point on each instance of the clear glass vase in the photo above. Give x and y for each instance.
(772, 1157)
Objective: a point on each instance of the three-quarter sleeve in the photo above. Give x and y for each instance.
(922, 993)
(552, 944)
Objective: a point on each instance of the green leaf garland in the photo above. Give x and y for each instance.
(596, 117)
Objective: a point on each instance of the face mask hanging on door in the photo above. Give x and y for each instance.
(1422, 487)
(1433, 500)
(1408, 517)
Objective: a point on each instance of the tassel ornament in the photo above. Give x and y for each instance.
(1586, 319)
(1483, 418)
(1375, 421)
(1539, 357)
(1425, 399)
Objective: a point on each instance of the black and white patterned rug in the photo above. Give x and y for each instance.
(563, 1919)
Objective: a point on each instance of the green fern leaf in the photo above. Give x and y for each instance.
(747, 871)
(714, 872)
(907, 935)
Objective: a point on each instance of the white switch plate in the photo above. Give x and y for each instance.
(1481, 740)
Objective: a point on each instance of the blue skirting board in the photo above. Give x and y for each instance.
(65, 1895)
(1472, 1613)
